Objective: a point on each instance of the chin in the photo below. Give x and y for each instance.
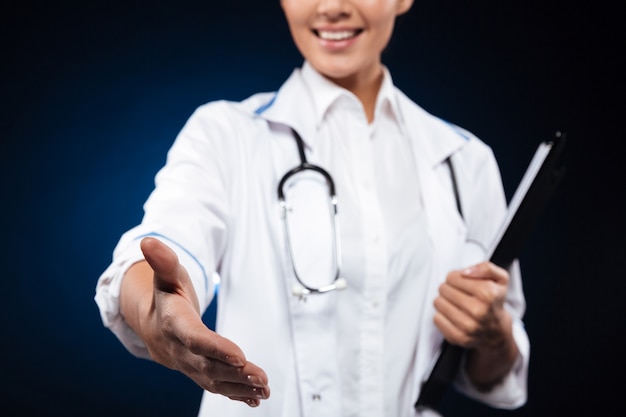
(335, 71)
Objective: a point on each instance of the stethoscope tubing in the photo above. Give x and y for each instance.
(338, 282)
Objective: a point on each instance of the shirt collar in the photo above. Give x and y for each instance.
(387, 101)
(325, 93)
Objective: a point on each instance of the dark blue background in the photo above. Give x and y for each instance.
(93, 94)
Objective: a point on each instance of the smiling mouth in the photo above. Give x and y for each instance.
(337, 35)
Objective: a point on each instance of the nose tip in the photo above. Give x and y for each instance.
(333, 9)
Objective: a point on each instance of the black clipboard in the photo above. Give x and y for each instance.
(530, 198)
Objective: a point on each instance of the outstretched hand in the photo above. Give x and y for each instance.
(168, 319)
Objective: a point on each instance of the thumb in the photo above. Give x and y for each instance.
(164, 263)
(487, 271)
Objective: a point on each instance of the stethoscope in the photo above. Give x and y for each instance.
(337, 282)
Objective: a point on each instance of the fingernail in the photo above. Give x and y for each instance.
(234, 361)
(255, 381)
(252, 403)
(471, 271)
(259, 393)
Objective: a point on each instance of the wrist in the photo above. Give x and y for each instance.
(136, 297)
(489, 363)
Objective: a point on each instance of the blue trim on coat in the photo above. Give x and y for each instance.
(460, 131)
(266, 105)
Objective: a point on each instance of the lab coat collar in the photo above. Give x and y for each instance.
(293, 106)
(323, 92)
(433, 138)
(301, 103)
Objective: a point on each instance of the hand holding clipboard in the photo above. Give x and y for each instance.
(535, 189)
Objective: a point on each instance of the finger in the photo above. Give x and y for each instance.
(480, 286)
(456, 316)
(251, 402)
(202, 341)
(217, 377)
(449, 331)
(483, 292)
(473, 300)
(230, 389)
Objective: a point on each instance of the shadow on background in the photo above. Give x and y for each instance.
(94, 94)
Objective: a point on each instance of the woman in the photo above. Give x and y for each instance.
(408, 257)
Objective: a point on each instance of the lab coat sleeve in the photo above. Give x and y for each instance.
(481, 177)
(127, 253)
(187, 210)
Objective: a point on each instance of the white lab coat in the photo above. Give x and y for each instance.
(233, 212)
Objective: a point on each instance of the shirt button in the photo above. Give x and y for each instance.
(316, 397)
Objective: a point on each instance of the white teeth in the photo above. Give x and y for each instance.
(337, 36)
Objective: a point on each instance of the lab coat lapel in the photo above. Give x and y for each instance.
(313, 318)
(292, 107)
(433, 141)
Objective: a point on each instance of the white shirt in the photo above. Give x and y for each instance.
(362, 351)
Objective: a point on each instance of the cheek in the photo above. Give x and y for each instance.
(386, 30)
(301, 41)
(299, 30)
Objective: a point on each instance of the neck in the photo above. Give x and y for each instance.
(365, 88)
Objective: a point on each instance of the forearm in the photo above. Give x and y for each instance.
(486, 366)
